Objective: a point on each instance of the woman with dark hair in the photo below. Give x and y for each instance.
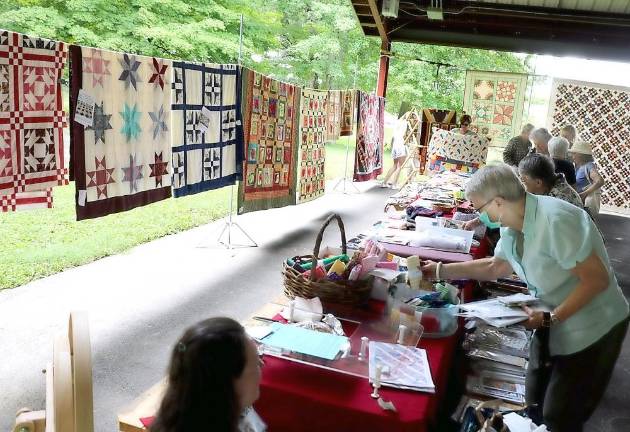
(464, 123)
(213, 380)
(538, 175)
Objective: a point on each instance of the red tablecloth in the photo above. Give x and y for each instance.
(297, 397)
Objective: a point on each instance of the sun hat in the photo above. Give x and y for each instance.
(581, 147)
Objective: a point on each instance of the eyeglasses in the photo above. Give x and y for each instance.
(465, 124)
(485, 204)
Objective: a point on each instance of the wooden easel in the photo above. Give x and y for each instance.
(69, 396)
(413, 119)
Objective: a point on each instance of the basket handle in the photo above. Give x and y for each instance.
(320, 235)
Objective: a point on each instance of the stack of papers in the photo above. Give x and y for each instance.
(304, 341)
(519, 299)
(494, 312)
(403, 366)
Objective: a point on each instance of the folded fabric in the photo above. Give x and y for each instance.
(413, 212)
(438, 241)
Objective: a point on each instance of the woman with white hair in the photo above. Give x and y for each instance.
(570, 133)
(556, 249)
(558, 148)
(540, 137)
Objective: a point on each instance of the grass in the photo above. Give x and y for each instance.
(40, 243)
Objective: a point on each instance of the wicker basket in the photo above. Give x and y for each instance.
(341, 292)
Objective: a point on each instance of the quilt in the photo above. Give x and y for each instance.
(312, 133)
(207, 132)
(348, 112)
(122, 160)
(26, 201)
(333, 131)
(495, 102)
(368, 160)
(599, 113)
(469, 150)
(31, 114)
(432, 118)
(270, 114)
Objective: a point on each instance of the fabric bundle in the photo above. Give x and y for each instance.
(333, 130)
(31, 120)
(600, 118)
(207, 135)
(270, 113)
(495, 101)
(122, 160)
(313, 119)
(368, 163)
(348, 112)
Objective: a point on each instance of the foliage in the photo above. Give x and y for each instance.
(314, 43)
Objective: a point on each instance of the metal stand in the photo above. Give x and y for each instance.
(229, 223)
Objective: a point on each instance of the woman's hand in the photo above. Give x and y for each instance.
(535, 320)
(472, 224)
(583, 195)
(428, 269)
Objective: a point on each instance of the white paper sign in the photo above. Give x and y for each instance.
(82, 197)
(84, 111)
(204, 119)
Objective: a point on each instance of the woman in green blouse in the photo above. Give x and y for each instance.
(555, 248)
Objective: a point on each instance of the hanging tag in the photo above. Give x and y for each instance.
(82, 197)
(204, 119)
(84, 111)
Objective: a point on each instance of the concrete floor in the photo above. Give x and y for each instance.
(140, 302)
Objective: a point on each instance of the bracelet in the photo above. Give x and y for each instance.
(437, 270)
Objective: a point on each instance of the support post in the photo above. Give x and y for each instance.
(383, 69)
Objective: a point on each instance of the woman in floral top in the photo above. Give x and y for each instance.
(538, 174)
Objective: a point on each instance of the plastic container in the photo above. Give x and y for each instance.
(438, 322)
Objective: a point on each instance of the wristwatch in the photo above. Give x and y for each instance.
(549, 318)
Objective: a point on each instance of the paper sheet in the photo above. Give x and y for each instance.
(303, 341)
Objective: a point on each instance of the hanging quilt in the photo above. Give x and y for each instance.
(600, 114)
(313, 119)
(434, 118)
(31, 114)
(495, 102)
(334, 116)
(26, 201)
(469, 150)
(122, 161)
(207, 127)
(368, 160)
(348, 112)
(270, 113)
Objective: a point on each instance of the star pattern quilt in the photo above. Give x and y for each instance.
(599, 113)
(495, 102)
(206, 159)
(348, 112)
(333, 131)
(313, 119)
(271, 143)
(31, 114)
(122, 161)
(368, 161)
(26, 201)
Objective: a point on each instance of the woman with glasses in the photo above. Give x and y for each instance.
(556, 249)
(464, 126)
(213, 381)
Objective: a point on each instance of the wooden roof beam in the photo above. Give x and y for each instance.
(378, 20)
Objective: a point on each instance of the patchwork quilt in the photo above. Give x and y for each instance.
(348, 112)
(469, 150)
(271, 143)
(207, 133)
(122, 161)
(31, 114)
(333, 131)
(600, 115)
(495, 102)
(313, 119)
(368, 161)
(26, 201)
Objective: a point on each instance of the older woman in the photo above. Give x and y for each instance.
(518, 147)
(538, 175)
(558, 148)
(588, 180)
(569, 133)
(540, 137)
(556, 248)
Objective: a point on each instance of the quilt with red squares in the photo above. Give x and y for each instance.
(312, 134)
(495, 102)
(368, 160)
(31, 114)
(26, 201)
(600, 114)
(123, 160)
(333, 131)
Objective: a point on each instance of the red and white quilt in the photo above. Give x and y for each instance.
(31, 114)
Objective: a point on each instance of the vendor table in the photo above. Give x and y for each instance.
(302, 397)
